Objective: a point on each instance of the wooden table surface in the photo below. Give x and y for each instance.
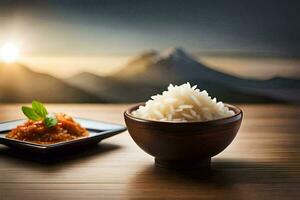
(263, 162)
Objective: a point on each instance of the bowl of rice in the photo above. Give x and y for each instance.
(183, 127)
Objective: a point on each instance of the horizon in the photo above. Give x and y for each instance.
(263, 67)
(259, 66)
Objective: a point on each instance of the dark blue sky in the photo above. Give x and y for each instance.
(95, 27)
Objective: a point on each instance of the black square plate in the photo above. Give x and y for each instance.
(98, 131)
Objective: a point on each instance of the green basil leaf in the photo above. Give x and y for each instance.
(30, 113)
(50, 121)
(39, 108)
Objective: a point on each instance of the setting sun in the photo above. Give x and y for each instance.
(9, 52)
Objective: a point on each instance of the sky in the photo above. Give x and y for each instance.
(90, 27)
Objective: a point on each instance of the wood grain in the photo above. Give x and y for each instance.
(263, 162)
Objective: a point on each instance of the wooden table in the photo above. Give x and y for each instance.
(263, 162)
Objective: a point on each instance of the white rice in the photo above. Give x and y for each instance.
(183, 103)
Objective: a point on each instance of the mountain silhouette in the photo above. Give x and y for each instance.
(176, 66)
(145, 75)
(151, 72)
(20, 84)
(171, 66)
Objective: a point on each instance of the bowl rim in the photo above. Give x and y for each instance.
(237, 111)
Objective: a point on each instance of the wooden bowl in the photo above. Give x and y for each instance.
(183, 144)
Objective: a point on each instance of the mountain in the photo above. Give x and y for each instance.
(171, 66)
(177, 66)
(147, 74)
(122, 91)
(20, 84)
(151, 72)
(280, 82)
(113, 90)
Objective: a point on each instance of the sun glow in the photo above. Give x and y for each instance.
(9, 52)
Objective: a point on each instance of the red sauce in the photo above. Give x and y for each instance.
(36, 131)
